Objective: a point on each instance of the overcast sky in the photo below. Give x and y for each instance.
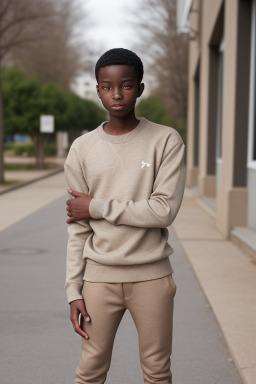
(109, 27)
(110, 22)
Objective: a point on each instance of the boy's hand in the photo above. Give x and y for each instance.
(77, 307)
(78, 208)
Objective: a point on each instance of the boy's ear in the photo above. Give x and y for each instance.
(141, 89)
(98, 90)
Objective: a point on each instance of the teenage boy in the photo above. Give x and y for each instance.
(127, 177)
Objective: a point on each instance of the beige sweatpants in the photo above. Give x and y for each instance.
(151, 306)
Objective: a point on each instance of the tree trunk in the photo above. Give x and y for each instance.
(1, 137)
(39, 150)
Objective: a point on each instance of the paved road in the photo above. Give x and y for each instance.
(38, 345)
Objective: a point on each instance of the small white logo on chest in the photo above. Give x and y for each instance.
(144, 164)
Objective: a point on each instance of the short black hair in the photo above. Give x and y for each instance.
(120, 56)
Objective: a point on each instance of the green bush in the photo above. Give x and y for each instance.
(153, 109)
(50, 149)
(8, 146)
(28, 149)
(20, 149)
(25, 99)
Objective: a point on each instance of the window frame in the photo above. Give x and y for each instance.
(251, 162)
(219, 127)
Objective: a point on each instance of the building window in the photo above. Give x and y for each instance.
(252, 105)
(219, 100)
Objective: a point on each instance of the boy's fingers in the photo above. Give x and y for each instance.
(86, 316)
(74, 193)
(82, 310)
(78, 330)
(70, 220)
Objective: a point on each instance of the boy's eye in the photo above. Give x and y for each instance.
(127, 86)
(105, 88)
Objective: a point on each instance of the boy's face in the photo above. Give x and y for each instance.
(118, 89)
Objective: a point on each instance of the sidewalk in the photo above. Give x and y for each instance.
(22, 202)
(18, 178)
(228, 279)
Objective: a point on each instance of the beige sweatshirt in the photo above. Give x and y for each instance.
(137, 182)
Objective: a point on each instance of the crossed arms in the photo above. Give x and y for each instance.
(158, 211)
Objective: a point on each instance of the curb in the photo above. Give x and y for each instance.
(24, 184)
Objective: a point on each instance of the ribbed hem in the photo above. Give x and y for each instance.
(74, 291)
(96, 208)
(118, 139)
(100, 273)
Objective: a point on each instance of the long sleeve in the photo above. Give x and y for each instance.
(78, 232)
(161, 208)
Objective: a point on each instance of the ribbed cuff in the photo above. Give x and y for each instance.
(74, 291)
(96, 208)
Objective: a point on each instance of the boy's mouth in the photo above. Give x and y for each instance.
(117, 107)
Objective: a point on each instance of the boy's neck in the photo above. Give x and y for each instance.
(120, 126)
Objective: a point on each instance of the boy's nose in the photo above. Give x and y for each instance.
(117, 94)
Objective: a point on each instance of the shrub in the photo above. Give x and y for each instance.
(50, 149)
(28, 149)
(20, 149)
(8, 146)
(153, 109)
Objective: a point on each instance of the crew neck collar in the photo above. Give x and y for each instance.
(121, 138)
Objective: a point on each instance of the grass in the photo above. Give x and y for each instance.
(26, 167)
(9, 182)
(28, 149)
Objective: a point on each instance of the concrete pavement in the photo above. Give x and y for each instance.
(19, 203)
(228, 278)
(225, 274)
(16, 179)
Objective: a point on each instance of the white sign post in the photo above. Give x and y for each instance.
(46, 123)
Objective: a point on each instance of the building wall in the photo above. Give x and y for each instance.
(251, 172)
(218, 107)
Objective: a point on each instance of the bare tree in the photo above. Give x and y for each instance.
(165, 51)
(63, 55)
(16, 19)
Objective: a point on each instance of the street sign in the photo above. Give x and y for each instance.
(46, 123)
